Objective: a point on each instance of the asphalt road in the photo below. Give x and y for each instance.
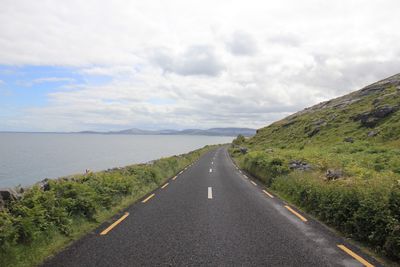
(211, 215)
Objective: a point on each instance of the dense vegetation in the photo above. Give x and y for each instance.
(46, 218)
(338, 160)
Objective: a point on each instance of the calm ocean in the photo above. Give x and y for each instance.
(26, 158)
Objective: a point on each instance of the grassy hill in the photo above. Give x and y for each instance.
(338, 160)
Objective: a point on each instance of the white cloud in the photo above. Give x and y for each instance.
(242, 44)
(196, 60)
(244, 63)
(52, 80)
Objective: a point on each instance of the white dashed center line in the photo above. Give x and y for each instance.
(210, 193)
(210, 170)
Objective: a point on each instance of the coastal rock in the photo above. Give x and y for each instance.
(333, 174)
(8, 194)
(299, 165)
(44, 184)
(243, 150)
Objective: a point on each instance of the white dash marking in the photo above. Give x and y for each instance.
(212, 162)
(210, 170)
(210, 193)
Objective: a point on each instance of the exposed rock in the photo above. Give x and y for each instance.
(320, 122)
(371, 118)
(269, 150)
(349, 140)
(2, 204)
(333, 174)
(115, 169)
(44, 184)
(372, 133)
(376, 101)
(314, 132)
(243, 150)
(8, 194)
(287, 124)
(299, 165)
(345, 102)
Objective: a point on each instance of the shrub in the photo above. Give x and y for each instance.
(240, 139)
(264, 167)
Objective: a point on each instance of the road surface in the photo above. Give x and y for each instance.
(211, 214)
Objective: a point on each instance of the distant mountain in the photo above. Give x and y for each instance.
(209, 132)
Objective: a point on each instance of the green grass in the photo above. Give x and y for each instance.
(43, 222)
(364, 204)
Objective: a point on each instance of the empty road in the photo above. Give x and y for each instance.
(211, 214)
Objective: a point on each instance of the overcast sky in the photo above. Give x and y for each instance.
(107, 65)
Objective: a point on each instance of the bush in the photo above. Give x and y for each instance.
(364, 213)
(240, 139)
(264, 167)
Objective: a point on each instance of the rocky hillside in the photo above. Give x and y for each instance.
(370, 114)
(338, 160)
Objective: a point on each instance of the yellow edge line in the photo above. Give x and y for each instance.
(109, 228)
(253, 183)
(147, 199)
(354, 255)
(164, 186)
(268, 194)
(296, 213)
(174, 177)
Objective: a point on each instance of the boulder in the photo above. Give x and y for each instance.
(299, 165)
(243, 150)
(44, 184)
(320, 122)
(372, 133)
(333, 174)
(8, 194)
(269, 150)
(371, 118)
(314, 132)
(349, 140)
(383, 112)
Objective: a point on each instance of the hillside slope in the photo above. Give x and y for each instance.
(338, 160)
(370, 114)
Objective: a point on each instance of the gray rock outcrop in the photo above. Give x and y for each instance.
(333, 174)
(299, 165)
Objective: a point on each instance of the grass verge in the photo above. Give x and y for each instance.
(46, 219)
(365, 208)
